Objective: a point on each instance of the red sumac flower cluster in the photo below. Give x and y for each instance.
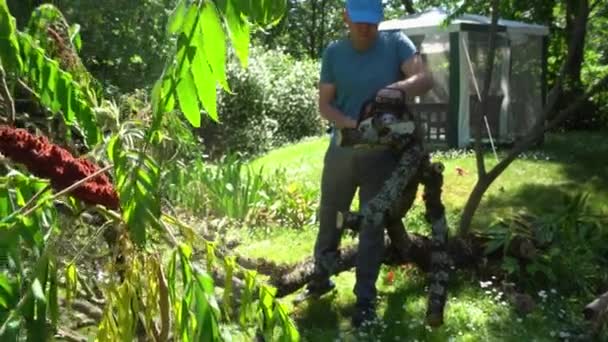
(46, 160)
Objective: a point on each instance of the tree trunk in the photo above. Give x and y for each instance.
(322, 28)
(312, 41)
(409, 6)
(596, 312)
(556, 118)
(577, 16)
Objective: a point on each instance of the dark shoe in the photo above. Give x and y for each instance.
(364, 315)
(315, 290)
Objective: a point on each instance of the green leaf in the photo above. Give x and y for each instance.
(184, 253)
(238, 31)
(9, 47)
(6, 291)
(214, 42)
(171, 276)
(510, 265)
(492, 246)
(264, 13)
(205, 85)
(188, 100)
(229, 266)
(71, 279)
(64, 94)
(75, 37)
(207, 309)
(176, 19)
(5, 207)
(37, 291)
(53, 298)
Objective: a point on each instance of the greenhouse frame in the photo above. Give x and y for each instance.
(456, 53)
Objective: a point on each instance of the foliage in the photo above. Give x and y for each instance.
(274, 104)
(232, 188)
(228, 189)
(129, 52)
(54, 87)
(189, 80)
(28, 274)
(569, 244)
(292, 204)
(309, 26)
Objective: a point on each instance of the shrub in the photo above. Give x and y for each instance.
(570, 248)
(273, 103)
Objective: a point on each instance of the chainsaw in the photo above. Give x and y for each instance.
(383, 121)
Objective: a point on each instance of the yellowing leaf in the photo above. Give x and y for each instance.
(71, 279)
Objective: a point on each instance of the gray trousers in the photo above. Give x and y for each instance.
(346, 169)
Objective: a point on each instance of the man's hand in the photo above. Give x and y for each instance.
(327, 93)
(390, 93)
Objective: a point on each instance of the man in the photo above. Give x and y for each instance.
(354, 70)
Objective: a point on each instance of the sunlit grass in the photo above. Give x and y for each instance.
(565, 164)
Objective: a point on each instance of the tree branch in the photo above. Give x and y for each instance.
(481, 167)
(6, 94)
(535, 133)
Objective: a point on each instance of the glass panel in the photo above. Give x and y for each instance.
(526, 69)
(432, 107)
(476, 55)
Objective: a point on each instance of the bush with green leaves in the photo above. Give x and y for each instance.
(273, 103)
(231, 188)
(571, 252)
(293, 204)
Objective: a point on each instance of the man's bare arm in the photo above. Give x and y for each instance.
(418, 79)
(327, 92)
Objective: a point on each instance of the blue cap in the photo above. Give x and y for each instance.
(365, 11)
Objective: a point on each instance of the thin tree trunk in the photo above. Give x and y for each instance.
(539, 129)
(322, 29)
(577, 16)
(312, 31)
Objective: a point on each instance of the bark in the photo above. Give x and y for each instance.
(409, 6)
(577, 16)
(322, 28)
(528, 141)
(311, 33)
(541, 125)
(596, 311)
(463, 252)
(70, 335)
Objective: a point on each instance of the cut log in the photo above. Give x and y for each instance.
(464, 253)
(597, 311)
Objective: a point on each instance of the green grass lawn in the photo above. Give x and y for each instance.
(565, 164)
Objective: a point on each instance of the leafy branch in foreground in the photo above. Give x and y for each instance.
(54, 87)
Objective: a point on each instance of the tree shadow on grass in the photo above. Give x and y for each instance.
(581, 158)
(319, 319)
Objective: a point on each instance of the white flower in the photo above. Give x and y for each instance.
(564, 334)
(554, 291)
(485, 284)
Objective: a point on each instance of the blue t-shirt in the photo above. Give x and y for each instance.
(359, 75)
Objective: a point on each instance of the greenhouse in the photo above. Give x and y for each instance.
(456, 52)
